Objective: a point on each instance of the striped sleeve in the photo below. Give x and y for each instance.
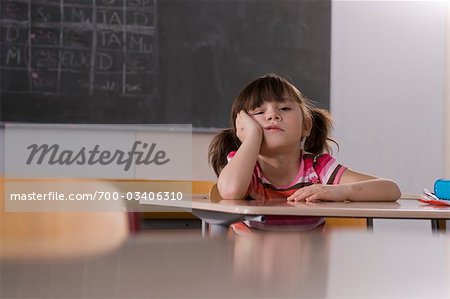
(328, 169)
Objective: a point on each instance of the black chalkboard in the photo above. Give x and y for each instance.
(154, 61)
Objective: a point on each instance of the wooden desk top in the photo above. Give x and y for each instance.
(270, 265)
(403, 208)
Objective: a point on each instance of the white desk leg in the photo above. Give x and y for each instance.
(216, 230)
(205, 228)
(216, 224)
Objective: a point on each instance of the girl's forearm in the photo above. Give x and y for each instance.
(234, 180)
(373, 190)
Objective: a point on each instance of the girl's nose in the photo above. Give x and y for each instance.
(273, 114)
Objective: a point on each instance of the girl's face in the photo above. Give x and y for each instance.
(282, 122)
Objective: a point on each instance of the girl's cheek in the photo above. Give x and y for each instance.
(257, 118)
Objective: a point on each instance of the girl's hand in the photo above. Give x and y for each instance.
(246, 126)
(318, 192)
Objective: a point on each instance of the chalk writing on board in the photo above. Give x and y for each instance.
(154, 61)
(79, 47)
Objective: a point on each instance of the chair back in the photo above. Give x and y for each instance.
(63, 233)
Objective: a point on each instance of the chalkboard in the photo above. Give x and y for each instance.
(154, 61)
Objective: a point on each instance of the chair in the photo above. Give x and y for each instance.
(195, 187)
(57, 231)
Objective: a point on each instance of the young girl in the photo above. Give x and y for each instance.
(279, 147)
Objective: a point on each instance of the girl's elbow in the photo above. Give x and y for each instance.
(230, 192)
(231, 195)
(395, 190)
(398, 193)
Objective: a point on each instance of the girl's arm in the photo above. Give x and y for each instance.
(234, 179)
(354, 186)
(363, 187)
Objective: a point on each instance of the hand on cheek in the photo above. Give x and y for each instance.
(246, 125)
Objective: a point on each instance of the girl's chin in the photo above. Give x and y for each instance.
(276, 147)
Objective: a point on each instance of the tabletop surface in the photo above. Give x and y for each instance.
(403, 208)
(268, 265)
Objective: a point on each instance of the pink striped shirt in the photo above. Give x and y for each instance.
(319, 169)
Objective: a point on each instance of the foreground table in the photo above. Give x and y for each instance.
(268, 265)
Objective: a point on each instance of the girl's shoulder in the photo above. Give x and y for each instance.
(315, 160)
(327, 168)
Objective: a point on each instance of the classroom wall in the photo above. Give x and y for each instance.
(447, 103)
(200, 167)
(388, 67)
(388, 89)
(447, 93)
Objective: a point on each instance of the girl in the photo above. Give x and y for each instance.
(279, 147)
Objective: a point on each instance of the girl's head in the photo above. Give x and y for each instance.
(261, 95)
(272, 100)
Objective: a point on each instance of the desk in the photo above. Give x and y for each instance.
(272, 265)
(227, 212)
(223, 213)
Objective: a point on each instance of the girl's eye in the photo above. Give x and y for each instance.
(285, 109)
(257, 112)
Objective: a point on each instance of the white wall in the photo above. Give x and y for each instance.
(447, 104)
(387, 88)
(200, 167)
(388, 67)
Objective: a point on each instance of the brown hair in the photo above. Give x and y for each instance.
(271, 88)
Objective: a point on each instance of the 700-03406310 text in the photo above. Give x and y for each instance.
(99, 195)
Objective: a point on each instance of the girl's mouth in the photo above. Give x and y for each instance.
(273, 128)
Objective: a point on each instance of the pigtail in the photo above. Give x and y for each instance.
(318, 140)
(221, 145)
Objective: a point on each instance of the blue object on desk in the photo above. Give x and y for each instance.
(442, 188)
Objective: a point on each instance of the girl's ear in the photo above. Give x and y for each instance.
(307, 126)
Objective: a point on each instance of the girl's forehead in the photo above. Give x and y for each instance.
(282, 100)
